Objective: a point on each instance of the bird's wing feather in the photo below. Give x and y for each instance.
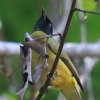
(53, 45)
(72, 94)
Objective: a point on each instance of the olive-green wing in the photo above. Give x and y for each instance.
(53, 45)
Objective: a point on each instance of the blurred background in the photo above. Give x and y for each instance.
(18, 17)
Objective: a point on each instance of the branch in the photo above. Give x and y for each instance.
(86, 11)
(82, 50)
(63, 39)
(47, 82)
(72, 49)
(9, 48)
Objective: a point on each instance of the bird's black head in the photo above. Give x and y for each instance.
(44, 24)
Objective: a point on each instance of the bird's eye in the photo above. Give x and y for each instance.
(50, 25)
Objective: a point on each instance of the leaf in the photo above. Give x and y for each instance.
(38, 72)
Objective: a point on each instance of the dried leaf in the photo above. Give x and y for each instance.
(25, 56)
(20, 94)
(28, 37)
(38, 72)
(26, 62)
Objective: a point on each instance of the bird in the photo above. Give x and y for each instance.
(66, 78)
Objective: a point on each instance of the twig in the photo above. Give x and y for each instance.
(86, 11)
(47, 36)
(44, 88)
(63, 39)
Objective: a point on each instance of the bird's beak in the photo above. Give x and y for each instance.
(43, 14)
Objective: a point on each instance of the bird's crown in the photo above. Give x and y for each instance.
(44, 24)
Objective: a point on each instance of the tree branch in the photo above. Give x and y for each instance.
(82, 50)
(9, 48)
(72, 49)
(47, 82)
(86, 11)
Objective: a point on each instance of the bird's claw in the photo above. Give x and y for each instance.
(55, 73)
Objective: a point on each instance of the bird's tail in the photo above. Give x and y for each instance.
(72, 94)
